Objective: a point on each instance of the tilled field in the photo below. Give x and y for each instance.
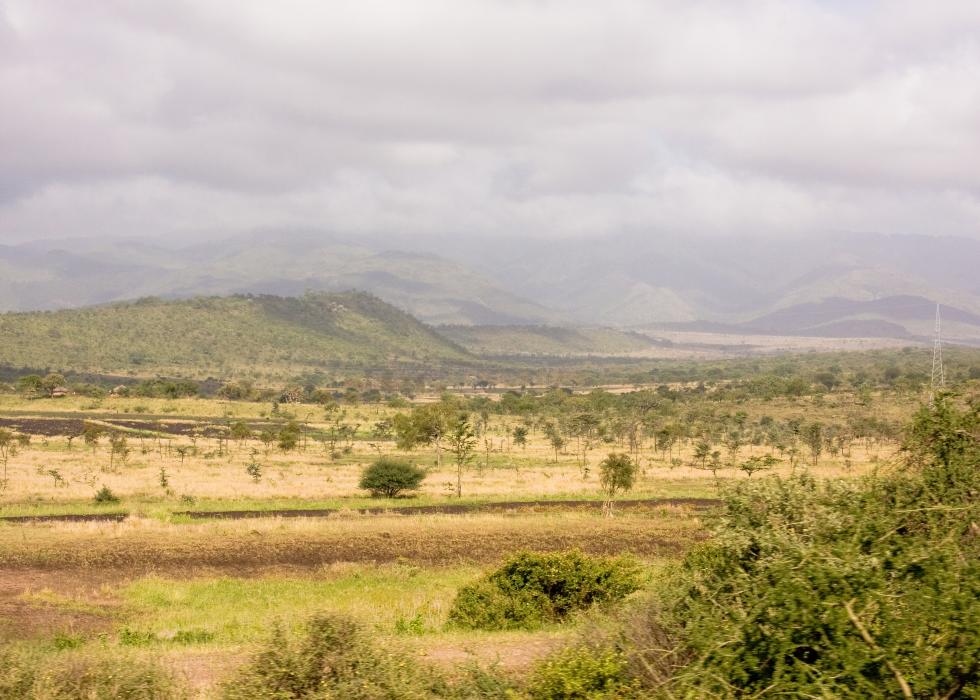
(429, 540)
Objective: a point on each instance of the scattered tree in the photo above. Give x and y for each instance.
(388, 477)
(617, 472)
(462, 442)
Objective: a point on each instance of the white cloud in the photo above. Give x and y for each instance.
(506, 117)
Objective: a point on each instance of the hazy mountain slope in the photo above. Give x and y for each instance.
(545, 340)
(637, 279)
(903, 316)
(225, 336)
(621, 280)
(432, 288)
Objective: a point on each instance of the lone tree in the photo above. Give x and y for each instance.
(462, 442)
(520, 435)
(388, 477)
(425, 425)
(813, 438)
(758, 463)
(617, 472)
(7, 446)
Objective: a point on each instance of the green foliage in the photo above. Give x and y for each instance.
(520, 435)
(221, 336)
(105, 496)
(289, 436)
(840, 589)
(617, 472)
(76, 675)
(240, 431)
(462, 443)
(254, 470)
(530, 589)
(333, 660)
(388, 477)
(427, 424)
(583, 673)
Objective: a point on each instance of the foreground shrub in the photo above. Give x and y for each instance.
(534, 589)
(838, 589)
(583, 673)
(389, 477)
(74, 676)
(333, 660)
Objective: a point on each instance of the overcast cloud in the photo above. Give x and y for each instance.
(523, 117)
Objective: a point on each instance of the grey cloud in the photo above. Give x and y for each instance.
(507, 117)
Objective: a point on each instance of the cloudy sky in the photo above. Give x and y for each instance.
(519, 117)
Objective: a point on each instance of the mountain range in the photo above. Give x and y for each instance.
(849, 285)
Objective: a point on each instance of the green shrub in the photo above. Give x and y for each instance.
(533, 589)
(388, 477)
(583, 673)
(105, 496)
(73, 675)
(842, 589)
(333, 660)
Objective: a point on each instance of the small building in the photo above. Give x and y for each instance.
(60, 392)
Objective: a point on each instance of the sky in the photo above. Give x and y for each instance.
(201, 118)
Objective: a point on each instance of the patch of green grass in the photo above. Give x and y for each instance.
(239, 610)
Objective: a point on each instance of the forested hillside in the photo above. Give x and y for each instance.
(260, 336)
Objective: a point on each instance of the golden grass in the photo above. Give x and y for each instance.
(48, 473)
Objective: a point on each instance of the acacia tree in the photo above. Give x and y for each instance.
(7, 445)
(553, 433)
(240, 431)
(733, 442)
(462, 443)
(665, 439)
(425, 425)
(701, 452)
(813, 437)
(617, 472)
(520, 435)
(758, 463)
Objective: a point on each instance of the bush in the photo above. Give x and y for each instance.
(73, 675)
(583, 673)
(388, 477)
(334, 660)
(105, 496)
(841, 589)
(534, 589)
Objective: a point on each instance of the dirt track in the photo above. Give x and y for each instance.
(450, 509)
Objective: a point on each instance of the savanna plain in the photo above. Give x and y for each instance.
(160, 541)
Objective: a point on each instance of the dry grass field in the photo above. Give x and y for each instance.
(199, 594)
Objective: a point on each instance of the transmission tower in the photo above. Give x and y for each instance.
(938, 373)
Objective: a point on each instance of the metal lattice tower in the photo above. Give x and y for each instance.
(938, 373)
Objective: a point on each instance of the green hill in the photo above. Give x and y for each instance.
(258, 336)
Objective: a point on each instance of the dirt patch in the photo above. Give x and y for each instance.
(52, 427)
(451, 509)
(26, 618)
(66, 518)
(47, 427)
(423, 540)
(508, 655)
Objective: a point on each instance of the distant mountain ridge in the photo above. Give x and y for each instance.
(902, 316)
(625, 281)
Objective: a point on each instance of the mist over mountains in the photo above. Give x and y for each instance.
(847, 285)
